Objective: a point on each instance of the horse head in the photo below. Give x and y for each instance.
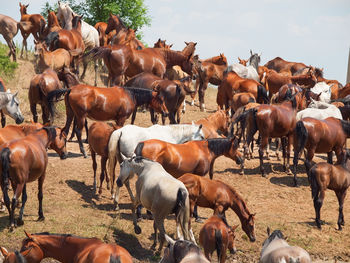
(11, 107)
(12, 257)
(30, 249)
(242, 61)
(248, 227)
(23, 8)
(231, 239)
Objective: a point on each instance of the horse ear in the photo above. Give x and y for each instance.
(4, 251)
(63, 134)
(170, 46)
(15, 95)
(159, 40)
(251, 53)
(195, 43)
(27, 234)
(169, 240)
(26, 5)
(186, 43)
(260, 54)
(268, 231)
(200, 127)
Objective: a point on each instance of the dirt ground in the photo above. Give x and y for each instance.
(70, 206)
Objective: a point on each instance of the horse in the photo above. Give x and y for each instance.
(127, 37)
(162, 44)
(2, 89)
(325, 176)
(209, 71)
(247, 72)
(217, 235)
(124, 141)
(275, 249)
(278, 64)
(30, 24)
(103, 37)
(52, 25)
(25, 160)
(273, 121)
(36, 247)
(182, 251)
(241, 99)
(40, 86)
(196, 157)
(99, 134)
(12, 257)
(116, 103)
(337, 90)
(324, 90)
(319, 136)
(243, 61)
(214, 125)
(218, 196)
(9, 29)
(88, 33)
(172, 92)
(320, 111)
(9, 105)
(160, 193)
(233, 83)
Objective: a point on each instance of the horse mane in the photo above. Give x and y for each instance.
(121, 22)
(293, 101)
(318, 72)
(141, 96)
(346, 126)
(19, 257)
(62, 235)
(239, 197)
(185, 78)
(219, 145)
(51, 132)
(182, 248)
(277, 233)
(75, 21)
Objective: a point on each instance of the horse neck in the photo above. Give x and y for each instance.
(53, 21)
(183, 134)
(238, 205)
(216, 121)
(4, 99)
(255, 64)
(173, 58)
(43, 137)
(188, 50)
(70, 80)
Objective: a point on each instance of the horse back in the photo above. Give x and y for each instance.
(103, 252)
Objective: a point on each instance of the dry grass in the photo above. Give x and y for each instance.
(70, 206)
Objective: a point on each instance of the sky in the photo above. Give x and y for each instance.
(315, 32)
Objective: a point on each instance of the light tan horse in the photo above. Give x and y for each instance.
(9, 29)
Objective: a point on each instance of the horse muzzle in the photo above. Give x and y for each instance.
(239, 160)
(119, 183)
(252, 238)
(63, 156)
(19, 119)
(233, 250)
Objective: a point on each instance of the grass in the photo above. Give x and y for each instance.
(7, 67)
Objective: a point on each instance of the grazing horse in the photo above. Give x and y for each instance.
(9, 29)
(233, 83)
(215, 124)
(30, 24)
(69, 248)
(217, 235)
(218, 196)
(275, 249)
(116, 103)
(40, 86)
(24, 161)
(196, 157)
(320, 136)
(182, 251)
(161, 44)
(52, 25)
(273, 121)
(99, 134)
(325, 176)
(278, 64)
(160, 193)
(124, 141)
(9, 105)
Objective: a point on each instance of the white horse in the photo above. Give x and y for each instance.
(319, 110)
(324, 89)
(159, 192)
(9, 104)
(89, 33)
(124, 141)
(276, 250)
(182, 251)
(247, 72)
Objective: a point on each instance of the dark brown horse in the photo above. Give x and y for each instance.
(196, 157)
(30, 24)
(103, 104)
(278, 64)
(320, 136)
(325, 176)
(99, 133)
(40, 86)
(66, 247)
(25, 160)
(218, 196)
(217, 235)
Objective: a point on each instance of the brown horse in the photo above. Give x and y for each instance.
(243, 61)
(161, 44)
(215, 124)
(233, 83)
(99, 133)
(241, 99)
(52, 25)
(103, 37)
(40, 86)
(30, 24)
(103, 104)
(320, 136)
(24, 161)
(66, 247)
(288, 90)
(273, 121)
(325, 176)
(217, 235)
(278, 64)
(196, 157)
(218, 196)
(12, 257)
(127, 37)
(9, 29)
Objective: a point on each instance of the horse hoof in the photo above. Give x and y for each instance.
(241, 172)
(85, 156)
(12, 227)
(2, 209)
(20, 222)
(41, 218)
(340, 228)
(198, 220)
(116, 207)
(137, 230)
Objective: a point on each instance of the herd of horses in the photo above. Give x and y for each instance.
(288, 101)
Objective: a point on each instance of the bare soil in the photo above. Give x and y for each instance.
(71, 206)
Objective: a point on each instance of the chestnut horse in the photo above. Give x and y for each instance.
(217, 235)
(127, 37)
(325, 176)
(161, 44)
(52, 25)
(66, 247)
(12, 257)
(232, 83)
(218, 196)
(196, 157)
(30, 24)
(215, 125)
(103, 37)
(40, 86)
(99, 133)
(320, 136)
(278, 64)
(25, 160)
(103, 104)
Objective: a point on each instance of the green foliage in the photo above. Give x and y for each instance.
(133, 12)
(7, 67)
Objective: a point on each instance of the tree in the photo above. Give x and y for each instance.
(134, 13)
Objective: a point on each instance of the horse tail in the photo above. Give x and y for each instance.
(54, 96)
(113, 152)
(301, 135)
(99, 52)
(313, 181)
(114, 259)
(188, 90)
(139, 148)
(52, 37)
(5, 163)
(218, 243)
(243, 116)
(262, 94)
(346, 127)
(182, 211)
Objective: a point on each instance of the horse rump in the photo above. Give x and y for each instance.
(52, 37)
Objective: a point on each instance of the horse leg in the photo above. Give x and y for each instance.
(284, 152)
(330, 157)
(40, 197)
(45, 115)
(154, 118)
(85, 64)
(193, 96)
(133, 115)
(3, 119)
(160, 225)
(171, 118)
(263, 143)
(289, 143)
(178, 115)
(318, 201)
(103, 174)
(24, 43)
(137, 229)
(94, 167)
(308, 159)
(86, 131)
(73, 130)
(34, 112)
(79, 128)
(24, 200)
(153, 247)
(341, 197)
(201, 93)
(277, 141)
(18, 191)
